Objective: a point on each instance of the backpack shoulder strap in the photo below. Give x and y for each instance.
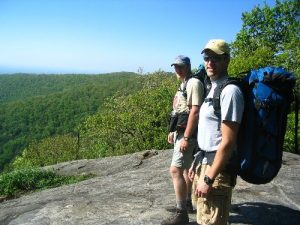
(217, 95)
(200, 75)
(205, 80)
(183, 89)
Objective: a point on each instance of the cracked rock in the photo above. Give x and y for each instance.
(124, 194)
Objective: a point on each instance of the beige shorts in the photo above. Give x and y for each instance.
(183, 159)
(215, 208)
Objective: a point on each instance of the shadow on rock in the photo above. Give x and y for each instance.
(257, 213)
(193, 223)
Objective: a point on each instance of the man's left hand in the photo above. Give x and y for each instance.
(202, 189)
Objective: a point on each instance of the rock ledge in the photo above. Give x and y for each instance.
(135, 190)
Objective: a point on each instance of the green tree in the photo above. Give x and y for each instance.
(133, 123)
(49, 151)
(269, 36)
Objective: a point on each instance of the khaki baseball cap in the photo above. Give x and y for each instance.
(218, 46)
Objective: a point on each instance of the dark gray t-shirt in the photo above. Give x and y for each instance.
(232, 106)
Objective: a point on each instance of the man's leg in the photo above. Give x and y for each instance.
(181, 217)
(180, 187)
(214, 209)
(179, 161)
(189, 184)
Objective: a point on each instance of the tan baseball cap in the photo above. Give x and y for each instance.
(218, 46)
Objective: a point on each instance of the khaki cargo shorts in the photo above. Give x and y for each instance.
(215, 208)
(183, 159)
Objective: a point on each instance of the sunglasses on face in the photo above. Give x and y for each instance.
(213, 58)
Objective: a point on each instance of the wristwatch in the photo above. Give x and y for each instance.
(186, 138)
(208, 180)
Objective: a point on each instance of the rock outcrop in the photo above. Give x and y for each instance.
(135, 190)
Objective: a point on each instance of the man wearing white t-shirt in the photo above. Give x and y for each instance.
(217, 137)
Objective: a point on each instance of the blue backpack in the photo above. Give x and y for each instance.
(268, 94)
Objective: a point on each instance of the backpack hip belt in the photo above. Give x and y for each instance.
(201, 154)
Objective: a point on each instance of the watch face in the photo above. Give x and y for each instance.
(207, 180)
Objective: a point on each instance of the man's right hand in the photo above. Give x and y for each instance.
(171, 138)
(191, 173)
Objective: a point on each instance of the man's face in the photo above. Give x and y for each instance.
(215, 65)
(181, 70)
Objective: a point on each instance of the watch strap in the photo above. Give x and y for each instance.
(208, 180)
(186, 138)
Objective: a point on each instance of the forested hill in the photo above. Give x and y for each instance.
(23, 86)
(33, 107)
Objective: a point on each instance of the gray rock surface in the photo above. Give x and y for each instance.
(135, 190)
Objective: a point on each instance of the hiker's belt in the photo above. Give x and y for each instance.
(204, 157)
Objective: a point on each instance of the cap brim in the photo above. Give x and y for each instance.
(217, 51)
(178, 64)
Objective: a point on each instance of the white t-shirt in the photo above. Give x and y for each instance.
(232, 106)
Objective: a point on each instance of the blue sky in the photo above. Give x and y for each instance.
(90, 36)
